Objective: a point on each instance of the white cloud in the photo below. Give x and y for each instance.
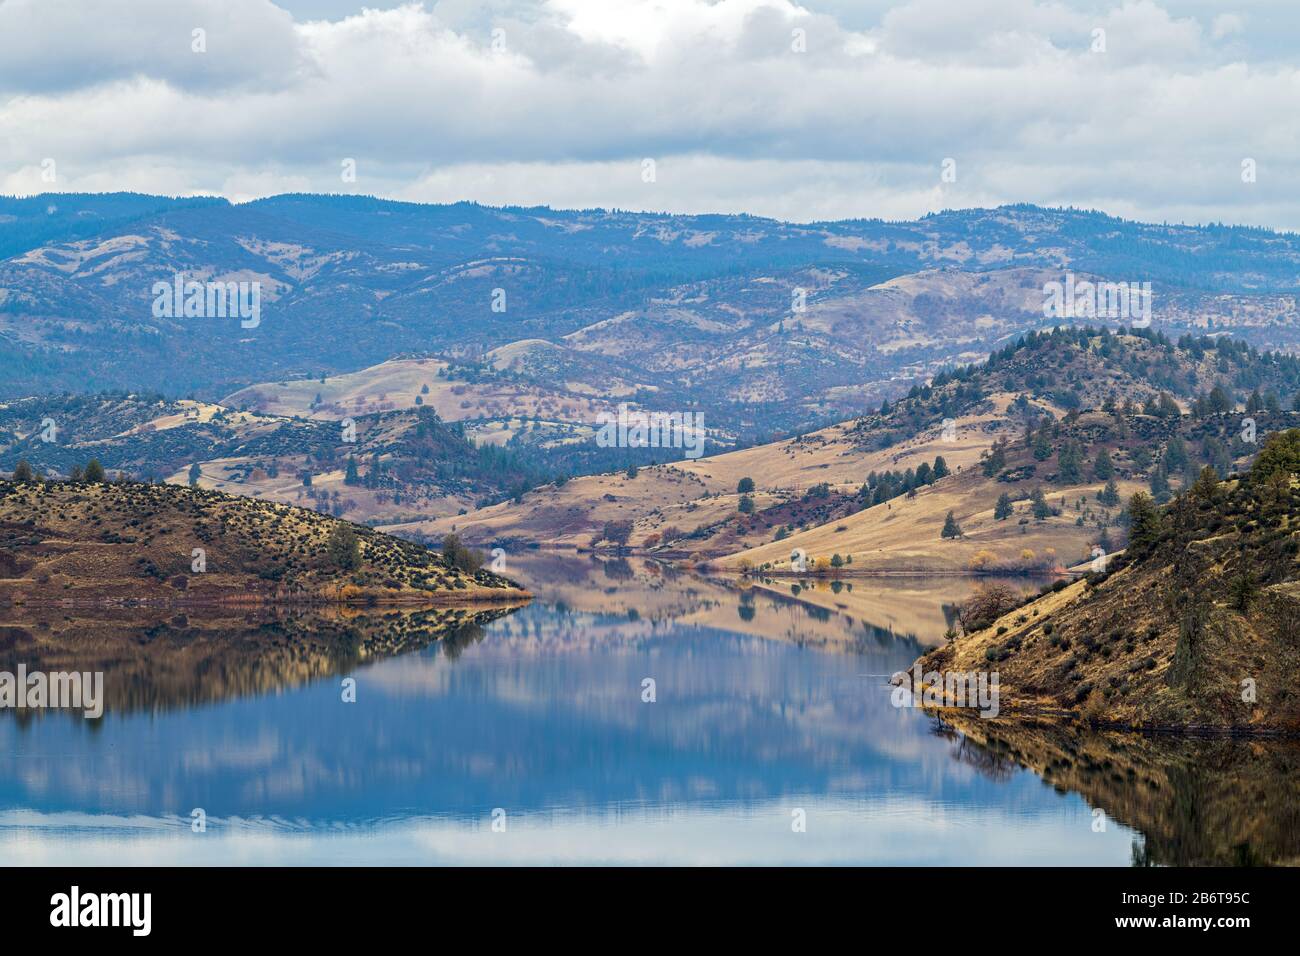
(580, 92)
(1226, 24)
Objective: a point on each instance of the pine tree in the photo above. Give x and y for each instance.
(1042, 447)
(1160, 483)
(995, 461)
(1070, 463)
(951, 529)
(941, 469)
(1109, 496)
(344, 548)
(1206, 487)
(1220, 401)
(1102, 466)
(1003, 509)
(1041, 509)
(1143, 520)
(94, 472)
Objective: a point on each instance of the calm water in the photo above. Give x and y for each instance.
(770, 708)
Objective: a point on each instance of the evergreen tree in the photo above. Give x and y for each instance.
(951, 529)
(1220, 401)
(1160, 483)
(995, 460)
(1038, 502)
(94, 472)
(1102, 466)
(1207, 485)
(344, 548)
(941, 469)
(1109, 496)
(1175, 454)
(1070, 463)
(1003, 509)
(1042, 447)
(22, 472)
(1143, 520)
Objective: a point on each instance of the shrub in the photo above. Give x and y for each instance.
(455, 554)
(344, 548)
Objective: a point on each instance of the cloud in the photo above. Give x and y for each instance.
(559, 101)
(59, 45)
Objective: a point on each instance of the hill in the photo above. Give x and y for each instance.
(1193, 627)
(387, 466)
(95, 544)
(871, 487)
(768, 327)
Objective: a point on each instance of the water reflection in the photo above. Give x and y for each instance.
(1196, 801)
(164, 660)
(766, 701)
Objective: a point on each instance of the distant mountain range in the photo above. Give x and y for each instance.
(766, 327)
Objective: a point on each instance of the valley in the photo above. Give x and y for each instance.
(882, 402)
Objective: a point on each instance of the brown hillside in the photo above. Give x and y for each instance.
(98, 544)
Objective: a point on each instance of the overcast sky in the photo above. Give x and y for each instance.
(828, 109)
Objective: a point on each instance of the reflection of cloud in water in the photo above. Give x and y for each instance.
(540, 711)
(883, 830)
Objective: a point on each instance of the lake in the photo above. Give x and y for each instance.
(530, 737)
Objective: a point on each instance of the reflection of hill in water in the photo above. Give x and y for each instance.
(170, 661)
(841, 615)
(1197, 801)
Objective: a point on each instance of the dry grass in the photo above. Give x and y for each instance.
(117, 543)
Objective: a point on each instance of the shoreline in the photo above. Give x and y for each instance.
(1027, 715)
(893, 573)
(254, 601)
(1062, 719)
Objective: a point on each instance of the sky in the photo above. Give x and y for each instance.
(1178, 110)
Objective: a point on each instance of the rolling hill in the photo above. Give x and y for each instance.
(853, 488)
(384, 465)
(1192, 628)
(124, 543)
(767, 327)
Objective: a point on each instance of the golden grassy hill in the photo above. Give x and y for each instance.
(1195, 626)
(99, 544)
(904, 535)
(699, 497)
(396, 384)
